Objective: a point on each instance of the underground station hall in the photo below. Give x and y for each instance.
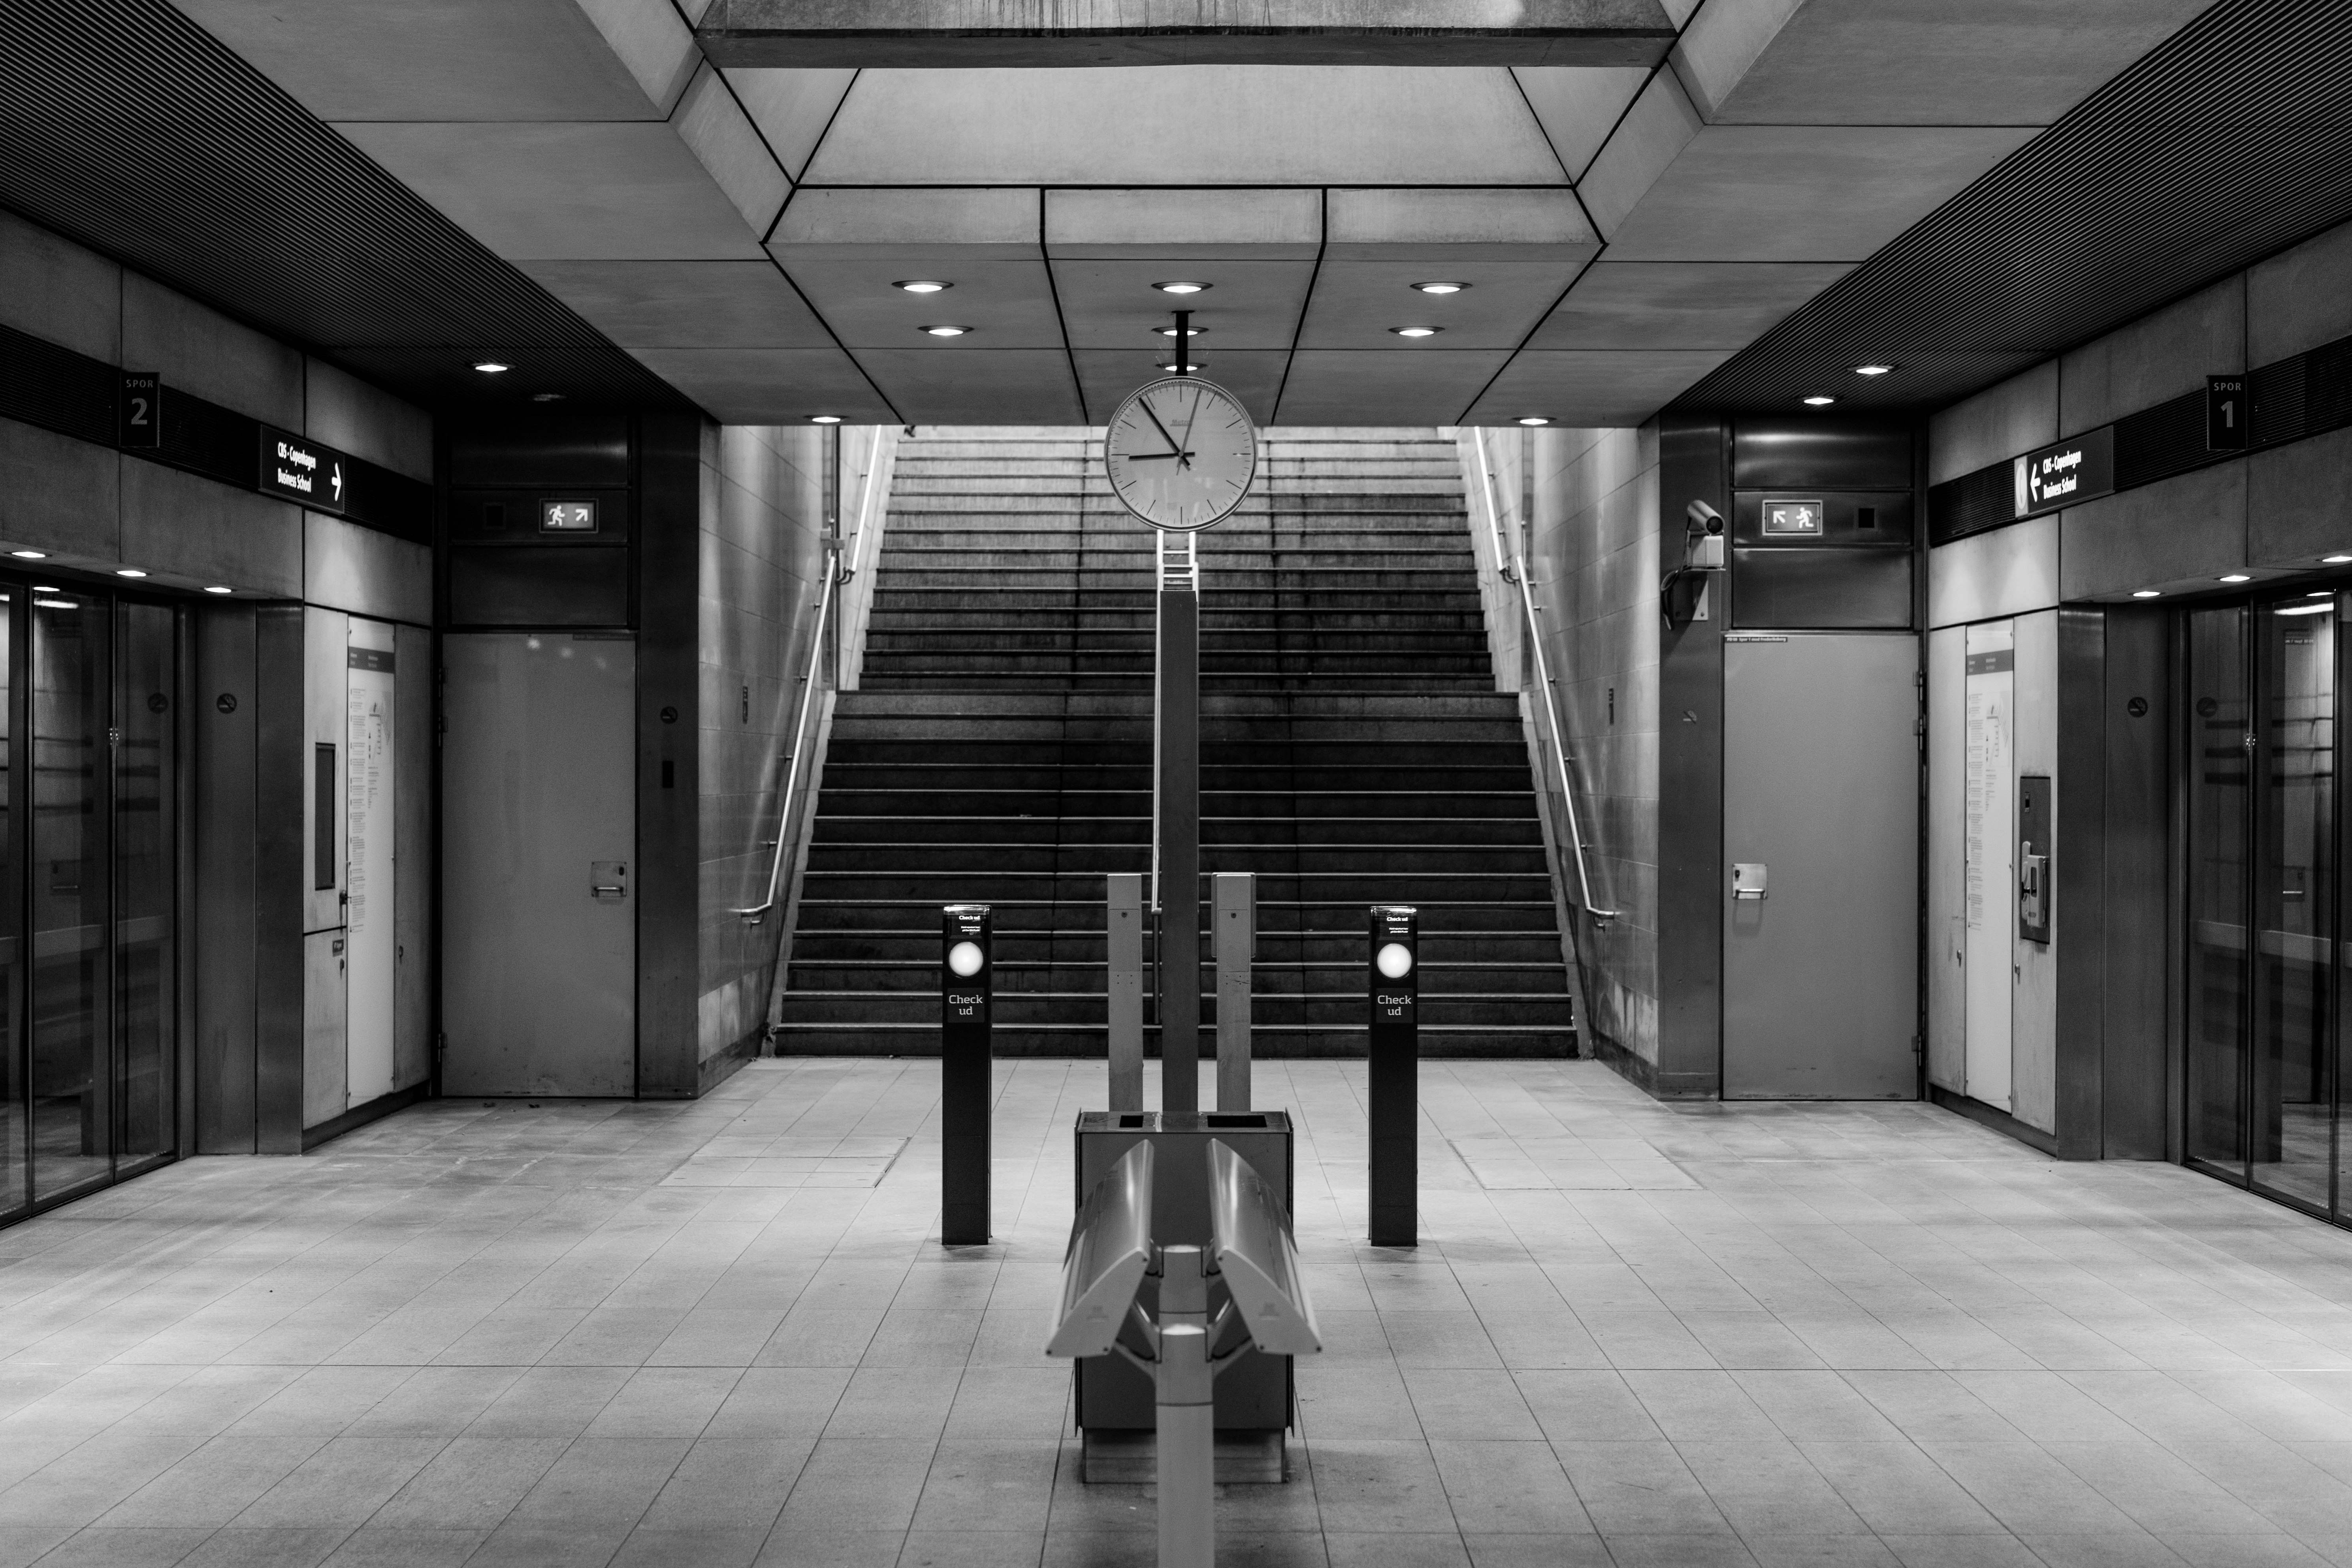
(1141, 784)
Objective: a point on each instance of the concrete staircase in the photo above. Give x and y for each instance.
(999, 751)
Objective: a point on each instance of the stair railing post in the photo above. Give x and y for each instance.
(1176, 885)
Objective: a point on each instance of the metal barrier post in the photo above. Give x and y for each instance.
(1187, 1412)
(1123, 928)
(1236, 929)
(1395, 1088)
(966, 986)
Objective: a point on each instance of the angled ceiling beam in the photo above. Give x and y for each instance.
(1047, 33)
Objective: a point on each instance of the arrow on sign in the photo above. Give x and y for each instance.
(335, 478)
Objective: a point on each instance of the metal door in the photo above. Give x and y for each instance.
(1821, 791)
(539, 806)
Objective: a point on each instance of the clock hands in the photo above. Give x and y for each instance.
(1175, 447)
(1158, 456)
(1188, 428)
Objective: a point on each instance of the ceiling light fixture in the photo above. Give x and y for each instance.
(129, 572)
(2148, 592)
(1196, 365)
(1191, 332)
(30, 554)
(1535, 418)
(2305, 609)
(1181, 288)
(1441, 288)
(492, 366)
(2321, 594)
(1416, 331)
(2235, 577)
(825, 418)
(1872, 369)
(946, 331)
(922, 285)
(1820, 400)
(217, 588)
(47, 588)
(547, 397)
(2335, 560)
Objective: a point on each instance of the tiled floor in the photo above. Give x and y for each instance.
(719, 1333)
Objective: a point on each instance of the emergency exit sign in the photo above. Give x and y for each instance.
(567, 516)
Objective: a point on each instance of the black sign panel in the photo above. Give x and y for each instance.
(139, 411)
(967, 981)
(1392, 1086)
(2225, 413)
(2066, 474)
(295, 468)
(569, 514)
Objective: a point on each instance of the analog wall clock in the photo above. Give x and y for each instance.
(1181, 453)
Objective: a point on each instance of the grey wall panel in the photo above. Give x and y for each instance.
(1948, 912)
(326, 656)
(1996, 424)
(1694, 464)
(668, 848)
(414, 710)
(225, 829)
(204, 352)
(2006, 572)
(55, 290)
(185, 525)
(2080, 901)
(347, 567)
(281, 779)
(64, 495)
(2137, 930)
(348, 414)
(2179, 530)
(324, 971)
(2295, 501)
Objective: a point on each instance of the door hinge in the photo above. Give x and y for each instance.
(1918, 1048)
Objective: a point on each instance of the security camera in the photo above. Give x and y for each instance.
(1704, 517)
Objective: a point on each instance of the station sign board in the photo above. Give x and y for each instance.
(307, 472)
(2066, 473)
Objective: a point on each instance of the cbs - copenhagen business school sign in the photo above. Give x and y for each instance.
(2065, 474)
(297, 470)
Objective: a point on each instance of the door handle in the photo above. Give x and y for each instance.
(608, 879)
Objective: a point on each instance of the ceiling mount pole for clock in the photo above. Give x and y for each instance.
(1183, 365)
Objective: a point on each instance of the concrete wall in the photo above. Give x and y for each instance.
(762, 555)
(1592, 534)
(246, 1085)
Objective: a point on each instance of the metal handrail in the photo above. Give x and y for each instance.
(1503, 566)
(836, 575)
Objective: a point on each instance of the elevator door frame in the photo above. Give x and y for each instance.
(2260, 681)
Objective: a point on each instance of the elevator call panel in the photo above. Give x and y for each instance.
(2033, 857)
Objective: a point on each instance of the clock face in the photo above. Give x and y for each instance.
(1181, 453)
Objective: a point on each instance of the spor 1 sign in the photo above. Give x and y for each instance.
(2065, 474)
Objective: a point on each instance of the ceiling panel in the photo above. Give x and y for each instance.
(1357, 303)
(1248, 304)
(1578, 106)
(1417, 387)
(1007, 299)
(1590, 389)
(792, 108)
(1109, 375)
(772, 386)
(2126, 203)
(629, 191)
(1681, 304)
(1199, 224)
(685, 304)
(976, 387)
(1202, 125)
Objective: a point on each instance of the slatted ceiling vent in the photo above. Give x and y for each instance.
(128, 128)
(2225, 145)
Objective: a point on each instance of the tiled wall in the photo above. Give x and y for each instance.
(1592, 559)
(761, 561)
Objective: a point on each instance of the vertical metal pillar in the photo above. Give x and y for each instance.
(1235, 924)
(1176, 891)
(1186, 1414)
(1394, 984)
(1123, 928)
(966, 984)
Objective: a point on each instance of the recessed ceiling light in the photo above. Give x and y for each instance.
(1196, 365)
(1872, 369)
(2235, 577)
(1181, 288)
(1191, 332)
(2335, 560)
(825, 418)
(129, 572)
(47, 588)
(922, 285)
(547, 397)
(1441, 288)
(30, 554)
(1416, 331)
(2305, 609)
(492, 366)
(218, 589)
(2148, 592)
(1535, 418)
(946, 331)
(2321, 594)
(1820, 400)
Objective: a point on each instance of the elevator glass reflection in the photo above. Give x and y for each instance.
(2265, 977)
(90, 830)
